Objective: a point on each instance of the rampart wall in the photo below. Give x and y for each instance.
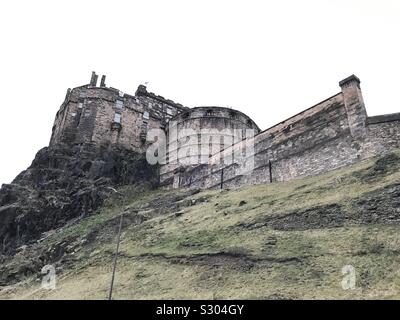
(327, 136)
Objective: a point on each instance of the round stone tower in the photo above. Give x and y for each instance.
(198, 133)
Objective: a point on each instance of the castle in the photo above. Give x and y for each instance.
(334, 133)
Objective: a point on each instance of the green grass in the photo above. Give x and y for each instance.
(207, 253)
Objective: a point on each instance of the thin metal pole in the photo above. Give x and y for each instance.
(116, 255)
(270, 170)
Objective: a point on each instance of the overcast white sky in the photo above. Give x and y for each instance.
(269, 59)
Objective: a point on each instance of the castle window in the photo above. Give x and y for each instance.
(146, 115)
(119, 104)
(117, 118)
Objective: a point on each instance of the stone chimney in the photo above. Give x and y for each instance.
(141, 90)
(354, 103)
(103, 81)
(93, 79)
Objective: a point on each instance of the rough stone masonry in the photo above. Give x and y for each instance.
(334, 133)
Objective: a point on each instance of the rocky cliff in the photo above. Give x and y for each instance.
(63, 184)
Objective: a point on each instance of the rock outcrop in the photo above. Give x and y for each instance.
(64, 183)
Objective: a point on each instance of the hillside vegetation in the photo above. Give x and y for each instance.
(276, 241)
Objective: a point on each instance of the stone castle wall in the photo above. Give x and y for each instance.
(383, 135)
(301, 145)
(194, 135)
(332, 134)
(102, 115)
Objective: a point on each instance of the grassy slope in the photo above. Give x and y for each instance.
(206, 245)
